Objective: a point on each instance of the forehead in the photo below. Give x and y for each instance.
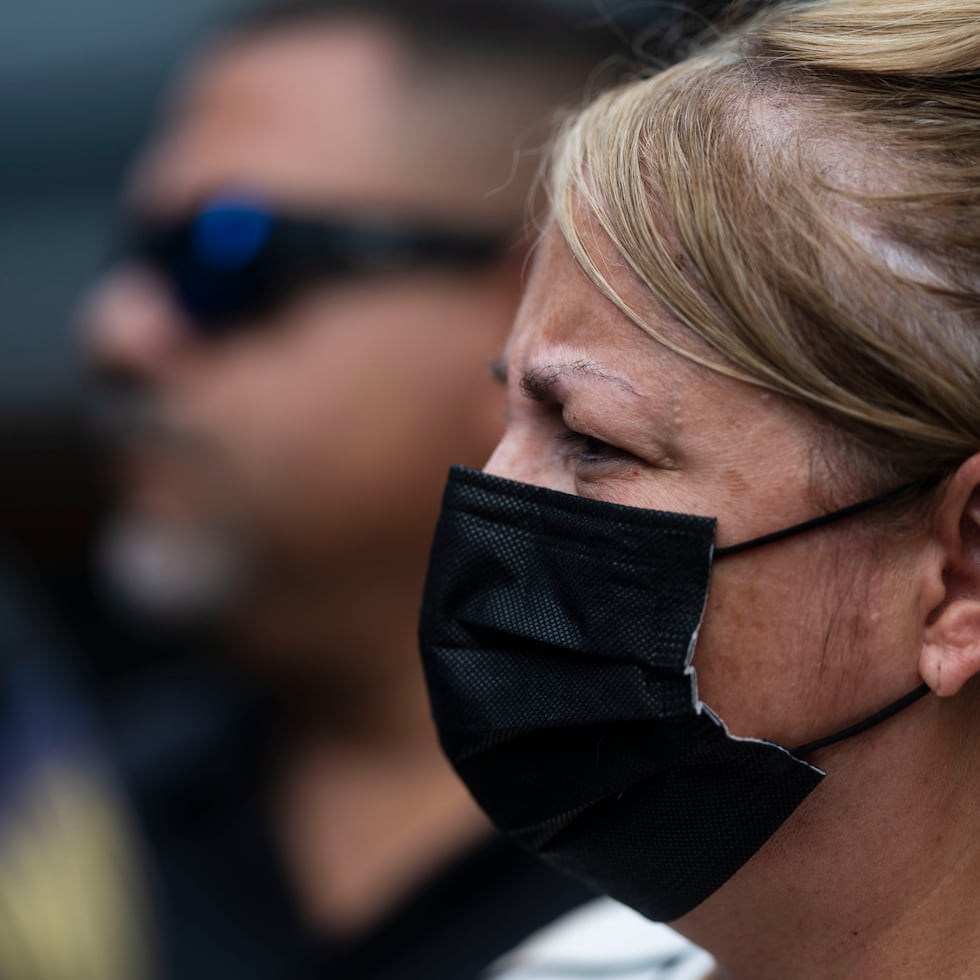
(306, 117)
(573, 347)
(565, 318)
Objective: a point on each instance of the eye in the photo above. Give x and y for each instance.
(582, 448)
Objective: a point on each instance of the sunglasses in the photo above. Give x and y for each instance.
(235, 260)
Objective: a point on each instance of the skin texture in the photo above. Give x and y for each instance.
(799, 638)
(318, 442)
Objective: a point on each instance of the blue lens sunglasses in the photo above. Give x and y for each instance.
(235, 260)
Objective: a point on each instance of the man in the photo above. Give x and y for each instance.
(326, 256)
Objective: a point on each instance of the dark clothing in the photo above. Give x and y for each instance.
(197, 767)
(71, 889)
(462, 920)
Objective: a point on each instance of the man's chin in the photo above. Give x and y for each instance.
(173, 573)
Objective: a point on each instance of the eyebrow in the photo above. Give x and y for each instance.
(538, 383)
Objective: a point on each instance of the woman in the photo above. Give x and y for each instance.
(750, 351)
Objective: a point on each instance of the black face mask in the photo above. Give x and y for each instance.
(557, 635)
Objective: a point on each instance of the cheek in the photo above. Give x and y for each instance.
(787, 642)
(356, 406)
(741, 647)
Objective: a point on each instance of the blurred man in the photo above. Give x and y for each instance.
(326, 255)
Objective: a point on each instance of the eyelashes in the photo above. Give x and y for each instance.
(581, 448)
(587, 451)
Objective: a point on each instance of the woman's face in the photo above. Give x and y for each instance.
(799, 637)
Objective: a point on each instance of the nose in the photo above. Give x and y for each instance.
(129, 327)
(526, 456)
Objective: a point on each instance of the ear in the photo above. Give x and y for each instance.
(950, 653)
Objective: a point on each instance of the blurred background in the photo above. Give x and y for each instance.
(79, 84)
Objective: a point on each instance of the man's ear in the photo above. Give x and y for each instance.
(950, 653)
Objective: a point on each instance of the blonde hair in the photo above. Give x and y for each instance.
(804, 195)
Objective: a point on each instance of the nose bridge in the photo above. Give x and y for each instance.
(129, 325)
(506, 459)
(518, 457)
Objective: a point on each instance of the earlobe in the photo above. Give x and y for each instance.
(950, 653)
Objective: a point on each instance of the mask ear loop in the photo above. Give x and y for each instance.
(862, 726)
(896, 706)
(836, 515)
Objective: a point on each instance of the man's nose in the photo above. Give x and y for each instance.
(130, 328)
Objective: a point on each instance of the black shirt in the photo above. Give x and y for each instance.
(195, 767)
